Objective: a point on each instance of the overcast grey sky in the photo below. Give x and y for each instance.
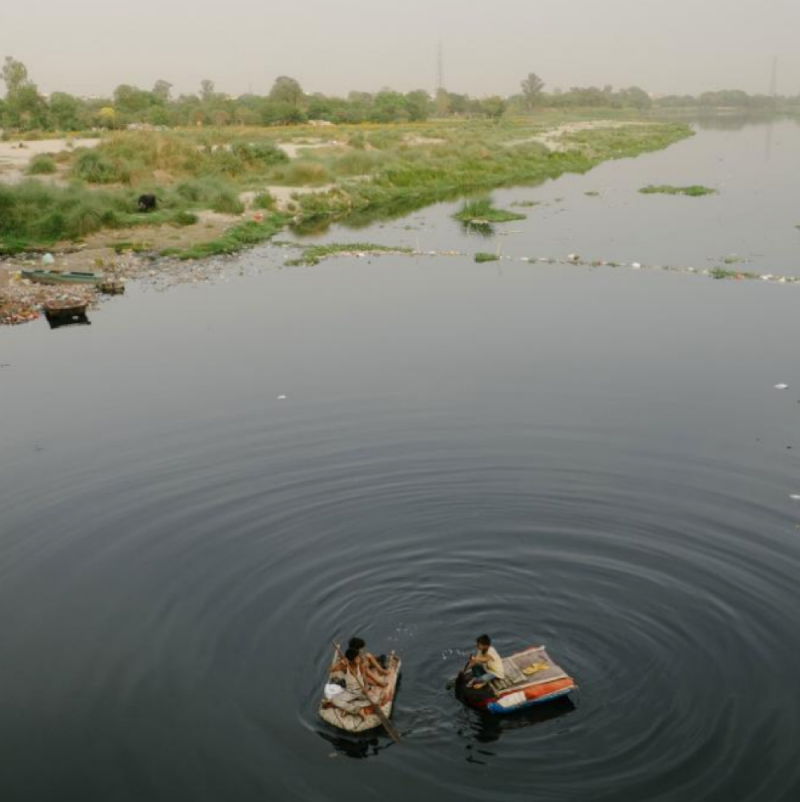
(332, 46)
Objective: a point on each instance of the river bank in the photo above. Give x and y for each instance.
(219, 192)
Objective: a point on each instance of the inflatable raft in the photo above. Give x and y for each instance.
(532, 678)
(349, 710)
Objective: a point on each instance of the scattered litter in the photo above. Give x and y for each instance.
(283, 398)
(795, 497)
(636, 266)
(48, 259)
(781, 386)
(573, 257)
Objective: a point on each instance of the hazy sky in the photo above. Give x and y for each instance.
(332, 46)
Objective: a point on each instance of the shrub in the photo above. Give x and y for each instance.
(227, 202)
(264, 201)
(184, 218)
(94, 168)
(41, 164)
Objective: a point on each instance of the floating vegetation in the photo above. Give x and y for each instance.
(695, 191)
(592, 194)
(481, 257)
(480, 212)
(316, 253)
(720, 273)
(527, 204)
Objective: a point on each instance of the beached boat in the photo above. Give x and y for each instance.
(349, 710)
(62, 277)
(532, 678)
(65, 313)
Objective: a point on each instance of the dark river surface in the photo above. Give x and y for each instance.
(594, 459)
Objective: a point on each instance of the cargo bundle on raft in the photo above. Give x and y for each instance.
(532, 678)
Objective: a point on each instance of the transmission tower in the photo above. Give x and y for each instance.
(773, 87)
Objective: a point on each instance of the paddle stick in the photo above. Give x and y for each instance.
(387, 725)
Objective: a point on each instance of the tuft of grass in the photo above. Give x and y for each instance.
(592, 194)
(226, 201)
(486, 257)
(694, 191)
(526, 204)
(481, 212)
(264, 201)
(41, 164)
(95, 168)
(316, 253)
(184, 218)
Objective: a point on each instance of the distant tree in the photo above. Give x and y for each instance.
(15, 76)
(24, 107)
(107, 117)
(493, 107)
(532, 88)
(207, 90)
(67, 113)
(442, 102)
(389, 106)
(162, 89)
(636, 98)
(132, 101)
(459, 104)
(287, 90)
(418, 105)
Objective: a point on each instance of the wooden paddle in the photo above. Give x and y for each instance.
(387, 725)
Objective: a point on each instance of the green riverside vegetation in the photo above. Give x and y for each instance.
(694, 191)
(481, 212)
(358, 172)
(316, 253)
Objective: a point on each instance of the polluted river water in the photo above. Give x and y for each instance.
(205, 486)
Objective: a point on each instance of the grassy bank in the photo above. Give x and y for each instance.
(345, 172)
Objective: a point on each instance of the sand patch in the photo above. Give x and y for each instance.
(14, 159)
(554, 141)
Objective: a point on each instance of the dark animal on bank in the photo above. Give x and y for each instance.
(147, 203)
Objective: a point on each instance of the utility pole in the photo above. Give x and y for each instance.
(440, 69)
(773, 87)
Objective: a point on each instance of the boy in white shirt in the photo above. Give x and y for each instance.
(487, 665)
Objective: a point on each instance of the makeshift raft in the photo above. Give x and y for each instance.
(532, 678)
(350, 711)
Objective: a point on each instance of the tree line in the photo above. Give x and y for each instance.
(26, 109)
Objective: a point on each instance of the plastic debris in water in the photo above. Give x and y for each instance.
(283, 398)
(781, 386)
(795, 497)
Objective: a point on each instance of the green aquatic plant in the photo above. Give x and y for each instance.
(316, 253)
(694, 191)
(481, 257)
(481, 212)
(720, 273)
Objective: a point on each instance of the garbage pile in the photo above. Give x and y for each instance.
(22, 301)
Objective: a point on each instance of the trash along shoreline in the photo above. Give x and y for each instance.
(23, 300)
